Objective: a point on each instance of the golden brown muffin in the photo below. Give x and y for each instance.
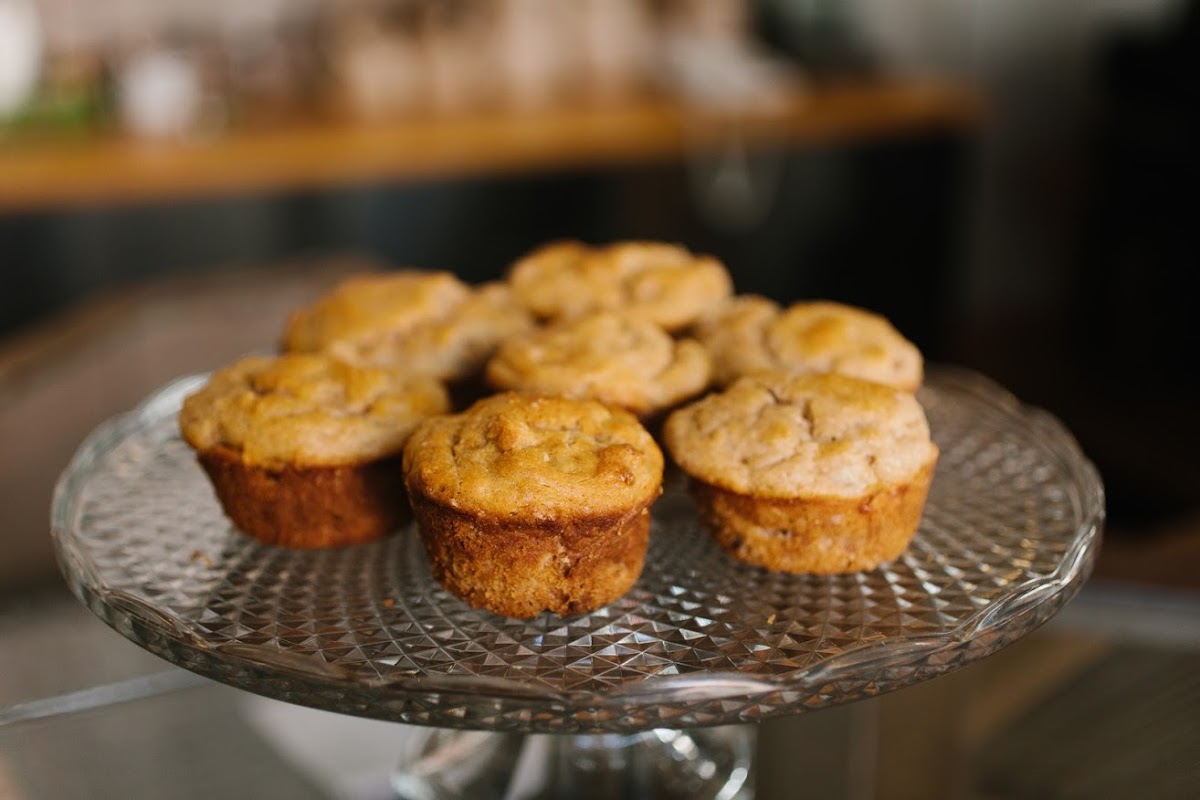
(528, 503)
(663, 283)
(817, 473)
(369, 306)
(614, 358)
(751, 333)
(303, 450)
(427, 323)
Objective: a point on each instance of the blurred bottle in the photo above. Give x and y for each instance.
(20, 54)
(711, 58)
(160, 92)
(461, 53)
(540, 51)
(377, 60)
(269, 62)
(617, 47)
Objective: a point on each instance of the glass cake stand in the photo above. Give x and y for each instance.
(647, 695)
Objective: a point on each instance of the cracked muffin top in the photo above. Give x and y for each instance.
(453, 346)
(429, 323)
(786, 435)
(752, 333)
(529, 458)
(733, 336)
(362, 307)
(614, 358)
(663, 283)
(307, 410)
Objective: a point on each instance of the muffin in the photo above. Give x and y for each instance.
(615, 358)
(303, 450)
(807, 473)
(734, 334)
(427, 323)
(662, 283)
(530, 503)
(372, 306)
(751, 333)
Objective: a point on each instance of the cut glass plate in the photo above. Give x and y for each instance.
(1009, 534)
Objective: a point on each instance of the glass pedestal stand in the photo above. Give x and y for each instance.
(702, 764)
(634, 691)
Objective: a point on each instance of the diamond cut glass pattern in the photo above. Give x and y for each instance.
(1009, 534)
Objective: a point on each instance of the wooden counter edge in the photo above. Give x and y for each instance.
(50, 176)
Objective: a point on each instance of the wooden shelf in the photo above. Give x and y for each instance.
(46, 175)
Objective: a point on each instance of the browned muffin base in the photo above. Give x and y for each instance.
(309, 507)
(816, 535)
(519, 570)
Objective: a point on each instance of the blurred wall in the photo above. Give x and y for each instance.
(1036, 62)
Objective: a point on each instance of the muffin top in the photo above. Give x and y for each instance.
(531, 458)
(785, 435)
(615, 358)
(454, 345)
(815, 336)
(365, 307)
(663, 283)
(307, 410)
(733, 335)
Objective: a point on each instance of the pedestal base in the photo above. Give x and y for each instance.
(700, 764)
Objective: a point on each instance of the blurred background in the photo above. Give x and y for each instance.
(1012, 183)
